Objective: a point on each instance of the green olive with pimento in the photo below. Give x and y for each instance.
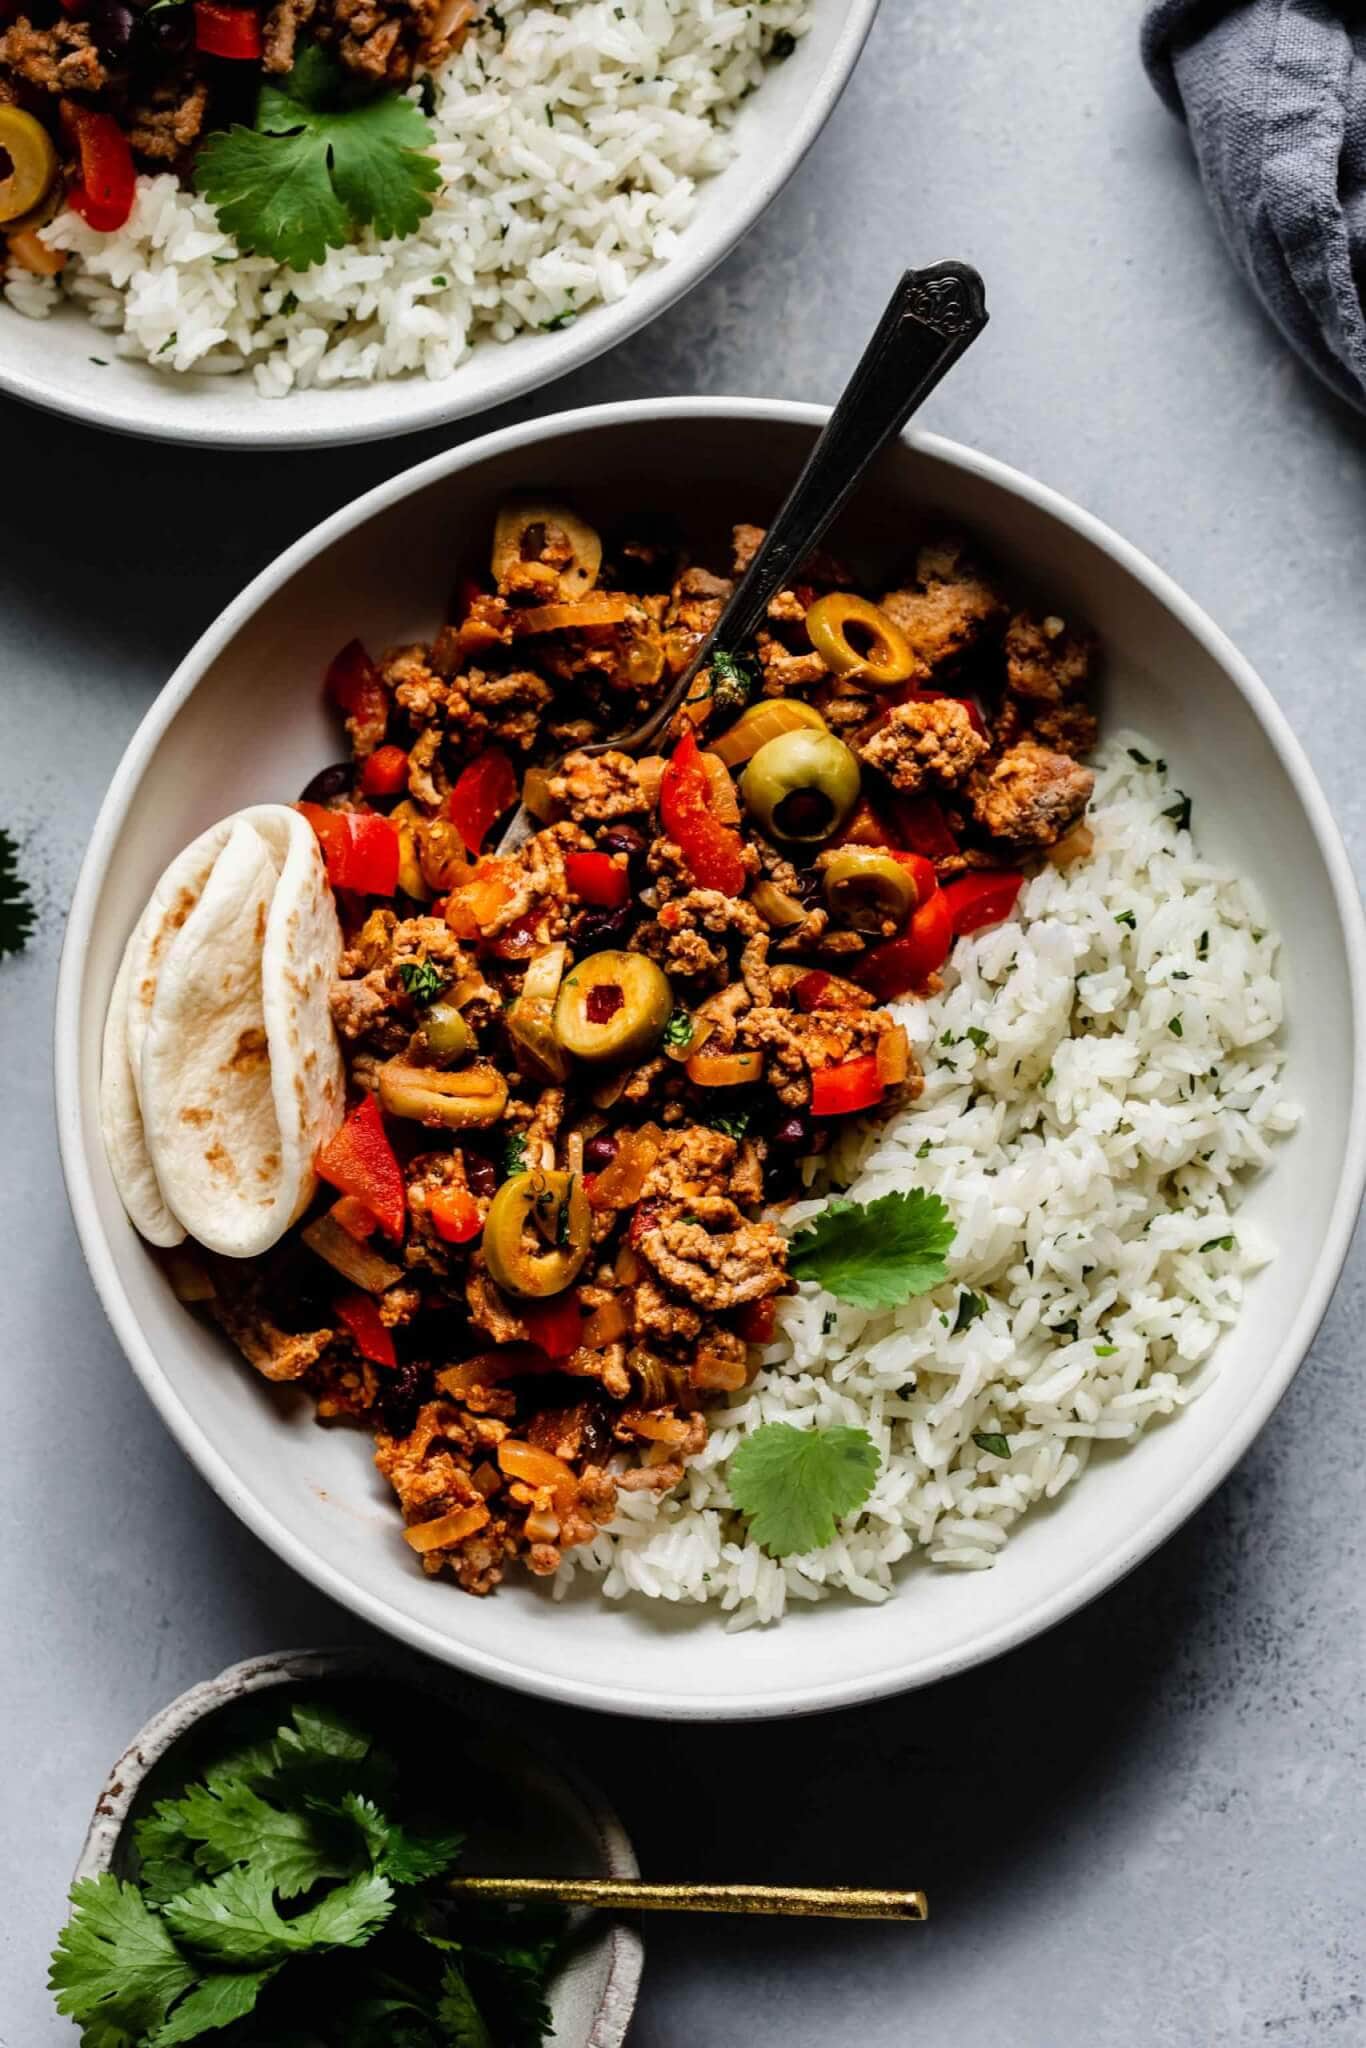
(446, 1034)
(538, 1232)
(801, 786)
(867, 888)
(613, 1007)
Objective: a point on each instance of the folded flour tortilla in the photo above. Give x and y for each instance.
(230, 1076)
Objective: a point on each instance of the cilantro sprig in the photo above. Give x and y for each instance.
(319, 163)
(796, 1484)
(298, 1882)
(876, 1254)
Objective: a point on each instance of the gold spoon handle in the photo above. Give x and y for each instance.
(635, 1894)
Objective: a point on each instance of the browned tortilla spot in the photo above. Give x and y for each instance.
(249, 1052)
(218, 1161)
(260, 922)
(196, 1116)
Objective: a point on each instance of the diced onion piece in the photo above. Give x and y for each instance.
(446, 1530)
(725, 1069)
(490, 1368)
(775, 906)
(619, 1185)
(536, 794)
(1078, 844)
(537, 1468)
(650, 774)
(725, 804)
(712, 1371)
(358, 1263)
(515, 521)
(627, 1267)
(606, 1325)
(761, 723)
(893, 1056)
(659, 1429)
(541, 1527)
(544, 973)
(598, 608)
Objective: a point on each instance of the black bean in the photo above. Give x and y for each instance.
(599, 1152)
(621, 839)
(112, 23)
(170, 29)
(481, 1174)
(329, 783)
(597, 930)
(793, 1134)
(401, 1395)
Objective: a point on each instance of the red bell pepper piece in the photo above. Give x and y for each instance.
(353, 685)
(981, 899)
(360, 1161)
(360, 849)
(711, 849)
(920, 870)
(104, 197)
(487, 786)
(595, 878)
(385, 772)
(227, 31)
(368, 1333)
(455, 1216)
(906, 963)
(555, 1325)
(922, 826)
(756, 1320)
(851, 1086)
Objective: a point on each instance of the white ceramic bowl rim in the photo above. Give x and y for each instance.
(618, 1695)
(408, 404)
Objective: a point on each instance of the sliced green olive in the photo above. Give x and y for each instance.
(531, 1027)
(613, 1007)
(27, 146)
(538, 1232)
(448, 1036)
(867, 888)
(469, 1100)
(801, 786)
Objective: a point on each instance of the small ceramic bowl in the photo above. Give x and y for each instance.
(552, 1822)
(243, 721)
(66, 365)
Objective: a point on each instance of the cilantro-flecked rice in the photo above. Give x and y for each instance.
(1101, 1083)
(571, 138)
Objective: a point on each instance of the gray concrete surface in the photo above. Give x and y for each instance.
(1147, 1828)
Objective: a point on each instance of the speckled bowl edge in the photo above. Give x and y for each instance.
(288, 1667)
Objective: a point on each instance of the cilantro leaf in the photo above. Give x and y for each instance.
(217, 2000)
(458, 2013)
(229, 1823)
(970, 1306)
(733, 681)
(992, 1441)
(166, 1862)
(795, 1483)
(16, 906)
(876, 1254)
(317, 166)
(514, 1154)
(115, 1965)
(679, 1029)
(403, 1855)
(1180, 812)
(422, 979)
(235, 1919)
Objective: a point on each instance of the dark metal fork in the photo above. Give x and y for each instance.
(931, 318)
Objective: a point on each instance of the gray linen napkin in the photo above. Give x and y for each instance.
(1274, 94)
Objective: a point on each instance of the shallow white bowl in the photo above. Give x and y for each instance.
(49, 362)
(551, 1822)
(242, 721)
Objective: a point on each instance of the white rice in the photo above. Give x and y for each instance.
(572, 141)
(1090, 1150)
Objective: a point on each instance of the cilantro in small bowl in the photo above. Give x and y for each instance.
(278, 1877)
